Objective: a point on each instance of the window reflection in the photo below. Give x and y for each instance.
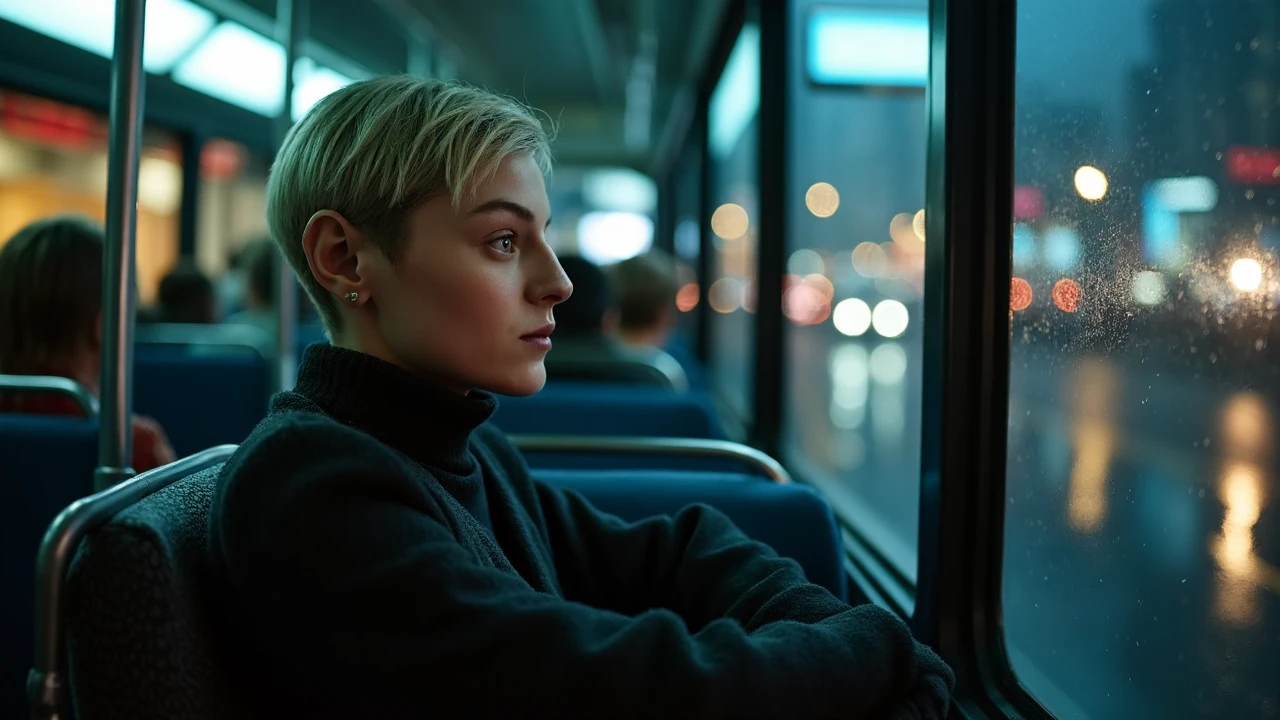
(732, 143)
(856, 238)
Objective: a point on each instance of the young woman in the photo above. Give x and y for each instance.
(385, 552)
(51, 322)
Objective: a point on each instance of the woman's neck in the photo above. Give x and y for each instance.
(379, 349)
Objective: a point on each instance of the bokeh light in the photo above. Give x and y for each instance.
(822, 199)
(1020, 294)
(1091, 183)
(1066, 295)
(730, 221)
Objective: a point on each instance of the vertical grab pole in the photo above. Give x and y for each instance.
(128, 85)
(291, 27)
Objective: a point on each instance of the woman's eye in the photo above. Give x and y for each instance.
(502, 244)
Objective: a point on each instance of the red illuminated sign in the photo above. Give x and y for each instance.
(50, 123)
(1254, 165)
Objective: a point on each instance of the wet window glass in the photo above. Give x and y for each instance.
(854, 281)
(1142, 519)
(732, 132)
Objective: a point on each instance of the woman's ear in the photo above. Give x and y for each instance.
(331, 245)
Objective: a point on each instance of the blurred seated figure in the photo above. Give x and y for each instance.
(586, 346)
(258, 262)
(646, 287)
(51, 322)
(186, 296)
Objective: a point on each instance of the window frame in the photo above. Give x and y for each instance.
(968, 269)
(736, 15)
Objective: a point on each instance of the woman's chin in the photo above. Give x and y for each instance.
(519, 384)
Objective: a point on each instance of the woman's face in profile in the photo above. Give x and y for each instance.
(469, 302)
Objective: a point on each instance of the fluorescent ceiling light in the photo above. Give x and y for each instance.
(620, 189)
(876, 47)
(311, 83)
(171, 26)
(609, 237)
(736, 98)
(239, 66)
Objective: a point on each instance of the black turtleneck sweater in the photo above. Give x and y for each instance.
(382, 552)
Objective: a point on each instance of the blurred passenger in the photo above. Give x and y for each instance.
(258, 263)
(186, 296)
(384, 552)
(230, 285)
(646, 288)
(51, 322)
(587, 346)
(591, 312)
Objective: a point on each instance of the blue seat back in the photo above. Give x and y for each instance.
(201, 399)
(680, 349)
(602, 409)
(46, 463)
(792, 519)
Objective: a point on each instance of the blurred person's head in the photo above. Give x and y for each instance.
(592, 311)
(258, 262)
(646, 288)
(414, 213)
(186, 296)
(51, 300)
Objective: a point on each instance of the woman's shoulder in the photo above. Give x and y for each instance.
(301, 457)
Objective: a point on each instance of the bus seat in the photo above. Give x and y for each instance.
(792, 519)
(651, 368)
(48, 463)
(230, 390)
(138, 584)
(602, 409)
(646, 453)
(138, 588)
(681, 351)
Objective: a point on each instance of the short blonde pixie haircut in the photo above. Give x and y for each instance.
(375, 150)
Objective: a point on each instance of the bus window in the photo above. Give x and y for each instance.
(1142, 528)
(687, 242)
(232, 209)
(732, 142)
(853, 291)
(53, 160)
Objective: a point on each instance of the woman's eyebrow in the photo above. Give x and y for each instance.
(514, 208)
